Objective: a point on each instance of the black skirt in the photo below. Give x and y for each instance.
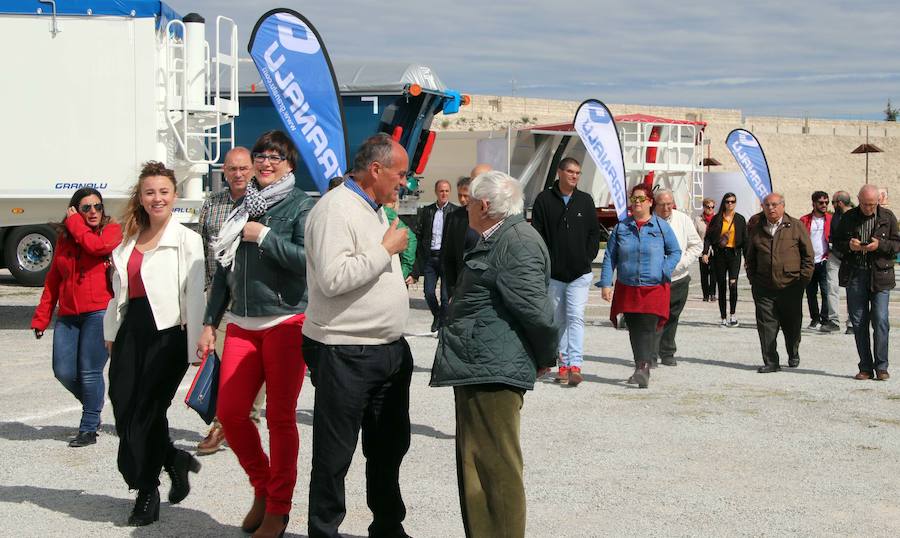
(146, 367)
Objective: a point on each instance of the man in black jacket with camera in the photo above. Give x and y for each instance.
(868, 241)
(566, 218)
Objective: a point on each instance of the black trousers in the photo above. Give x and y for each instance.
(145, 369)
(358, 386)
(708, 278)
(642, 334)
(665, 346)
(778, 309)
(432, 271)
(818, 284)
(728, 267)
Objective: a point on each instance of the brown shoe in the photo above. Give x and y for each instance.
(882, 375)
(273, 526)
(213, 440)
(863, 376)
(575, 376)
(254, 517)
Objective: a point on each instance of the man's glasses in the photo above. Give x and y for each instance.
(273, 158)
(638, 199)
(86, 208)
(822, 202)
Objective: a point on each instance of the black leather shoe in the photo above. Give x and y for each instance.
(435, 325)
(769, 368)
(178, 468)
(794, 362)
(83, 439)
(668, 361)
(146, 508)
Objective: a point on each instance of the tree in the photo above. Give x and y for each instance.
(890, 113)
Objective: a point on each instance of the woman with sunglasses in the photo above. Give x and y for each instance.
(725, 240)
(261, 282)
(643, 251)
(77, 281)
(157, 309)
(707, 271)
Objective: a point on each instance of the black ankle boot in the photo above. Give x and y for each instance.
(146, 508)
(180, 463)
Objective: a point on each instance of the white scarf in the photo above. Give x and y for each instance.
(254, 205)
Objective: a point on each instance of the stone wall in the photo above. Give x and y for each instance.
(804, 154)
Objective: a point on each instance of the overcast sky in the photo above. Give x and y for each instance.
(827, 58)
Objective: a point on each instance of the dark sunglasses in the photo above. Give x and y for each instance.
(822, 202)
(730, 201)
(86, 208)
(709, 206)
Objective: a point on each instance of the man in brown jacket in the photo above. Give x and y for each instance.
(779, 266)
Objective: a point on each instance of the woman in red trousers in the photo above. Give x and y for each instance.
(77, 281)
(262, 276)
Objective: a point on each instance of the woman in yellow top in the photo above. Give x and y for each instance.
(725, 240)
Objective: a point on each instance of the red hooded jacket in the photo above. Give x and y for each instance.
(77, 278)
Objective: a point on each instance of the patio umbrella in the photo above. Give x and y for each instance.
(867, 149)
(710, 161)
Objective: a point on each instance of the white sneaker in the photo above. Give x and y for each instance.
(724, 322)
(733, 322)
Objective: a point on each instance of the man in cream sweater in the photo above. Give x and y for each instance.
(691, 246)
(353, 341)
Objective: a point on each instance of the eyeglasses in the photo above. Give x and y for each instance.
(709, 207)
(822, 202)
(730, 201)
(638, 199)
(273, 158)
(86, 208)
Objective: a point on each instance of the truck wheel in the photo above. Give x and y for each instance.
(28, 252)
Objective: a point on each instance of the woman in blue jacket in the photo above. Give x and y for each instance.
(643, 251)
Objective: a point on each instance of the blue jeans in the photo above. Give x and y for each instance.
(79, 356)
(569, 300)
(866, 306)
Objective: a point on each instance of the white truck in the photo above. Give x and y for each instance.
(94, 88)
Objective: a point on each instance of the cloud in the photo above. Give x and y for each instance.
(831, 57)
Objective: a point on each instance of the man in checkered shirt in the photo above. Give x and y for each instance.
(238, 172)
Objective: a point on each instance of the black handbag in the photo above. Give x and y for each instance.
(204, 391)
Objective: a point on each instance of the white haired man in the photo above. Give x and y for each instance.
(691, 247)
(499, 337)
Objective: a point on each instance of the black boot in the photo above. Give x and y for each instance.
(178, 466)
(146, 508)
(641, 375)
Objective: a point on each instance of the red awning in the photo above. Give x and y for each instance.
(637, 118)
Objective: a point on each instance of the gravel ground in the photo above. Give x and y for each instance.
(710, 449)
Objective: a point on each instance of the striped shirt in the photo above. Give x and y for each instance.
(213, 215)
(865, 230)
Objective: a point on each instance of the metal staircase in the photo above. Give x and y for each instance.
(201, 92)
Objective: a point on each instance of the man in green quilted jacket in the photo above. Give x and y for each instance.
(499, 337)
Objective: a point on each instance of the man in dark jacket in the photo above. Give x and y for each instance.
(499, 336)
(868, 241)
(458, 236)
(841, 203)
(566, 219)
(779, 266)
(428, 256)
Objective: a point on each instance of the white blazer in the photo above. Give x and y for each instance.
(174, 274)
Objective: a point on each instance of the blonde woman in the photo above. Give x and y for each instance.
(157, 307)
